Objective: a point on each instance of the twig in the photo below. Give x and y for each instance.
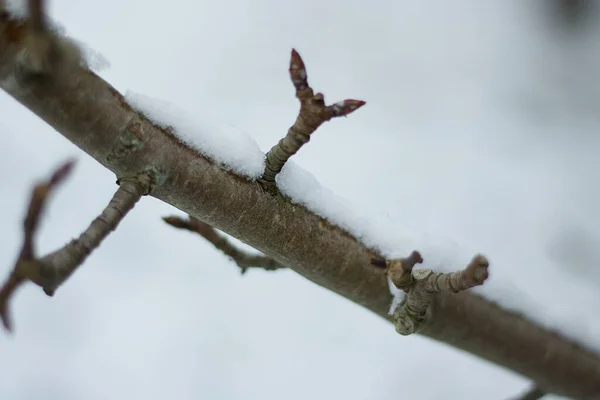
(243, 259)
(422, 285)
(313, 112)
(54, 269)
(534, 393)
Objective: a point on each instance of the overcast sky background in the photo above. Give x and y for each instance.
(481, 128)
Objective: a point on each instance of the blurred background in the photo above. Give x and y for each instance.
(480, 129)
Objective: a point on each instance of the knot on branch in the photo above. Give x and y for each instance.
(313, 112)
(422, 285)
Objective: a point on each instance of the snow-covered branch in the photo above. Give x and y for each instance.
(52, 270)
(243, 259)
(313, 112)
(94, 116)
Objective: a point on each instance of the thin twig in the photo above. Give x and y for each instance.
(54, 269)
(313, 112)
(422, 285)
(243, 259)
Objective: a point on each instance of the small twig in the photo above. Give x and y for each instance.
(243, 259)
(54, 269)
(313, 112)
(422, 285)
(534, 393)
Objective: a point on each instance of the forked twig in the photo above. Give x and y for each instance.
(421, 286)
(313, 112)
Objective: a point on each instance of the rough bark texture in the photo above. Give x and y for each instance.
(96, 118)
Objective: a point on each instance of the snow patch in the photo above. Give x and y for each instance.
(224, 144)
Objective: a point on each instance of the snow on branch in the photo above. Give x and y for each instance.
(313, 112)
(54, 269)
(421, 286)
(243, 259)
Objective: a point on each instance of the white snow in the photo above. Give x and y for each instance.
(227, 146)
(397, 296)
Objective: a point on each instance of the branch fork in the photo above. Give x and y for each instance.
(313, 112)
(52, 270)
(422, 285)
(243, 259)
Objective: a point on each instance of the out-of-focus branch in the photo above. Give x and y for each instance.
(45, 53)
(422, 285)
(313, 112)
(243, 259)
(54, 269)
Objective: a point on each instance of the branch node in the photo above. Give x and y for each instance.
(52, 270)
(422, 285)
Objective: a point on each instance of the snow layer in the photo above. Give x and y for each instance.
(219, 141)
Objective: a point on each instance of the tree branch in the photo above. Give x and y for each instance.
(243, 259)
(54, 269)
(94, 116)
(313, 112)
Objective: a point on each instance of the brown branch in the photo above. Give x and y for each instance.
(37, 202)
(422, 285)
(313, 112)
(243, 259)
(54, 269)
(534, 393)
(93, 115)
(37, 16)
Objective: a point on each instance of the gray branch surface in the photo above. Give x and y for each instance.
(95, 117)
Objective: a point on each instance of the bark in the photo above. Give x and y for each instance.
(95, 117)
